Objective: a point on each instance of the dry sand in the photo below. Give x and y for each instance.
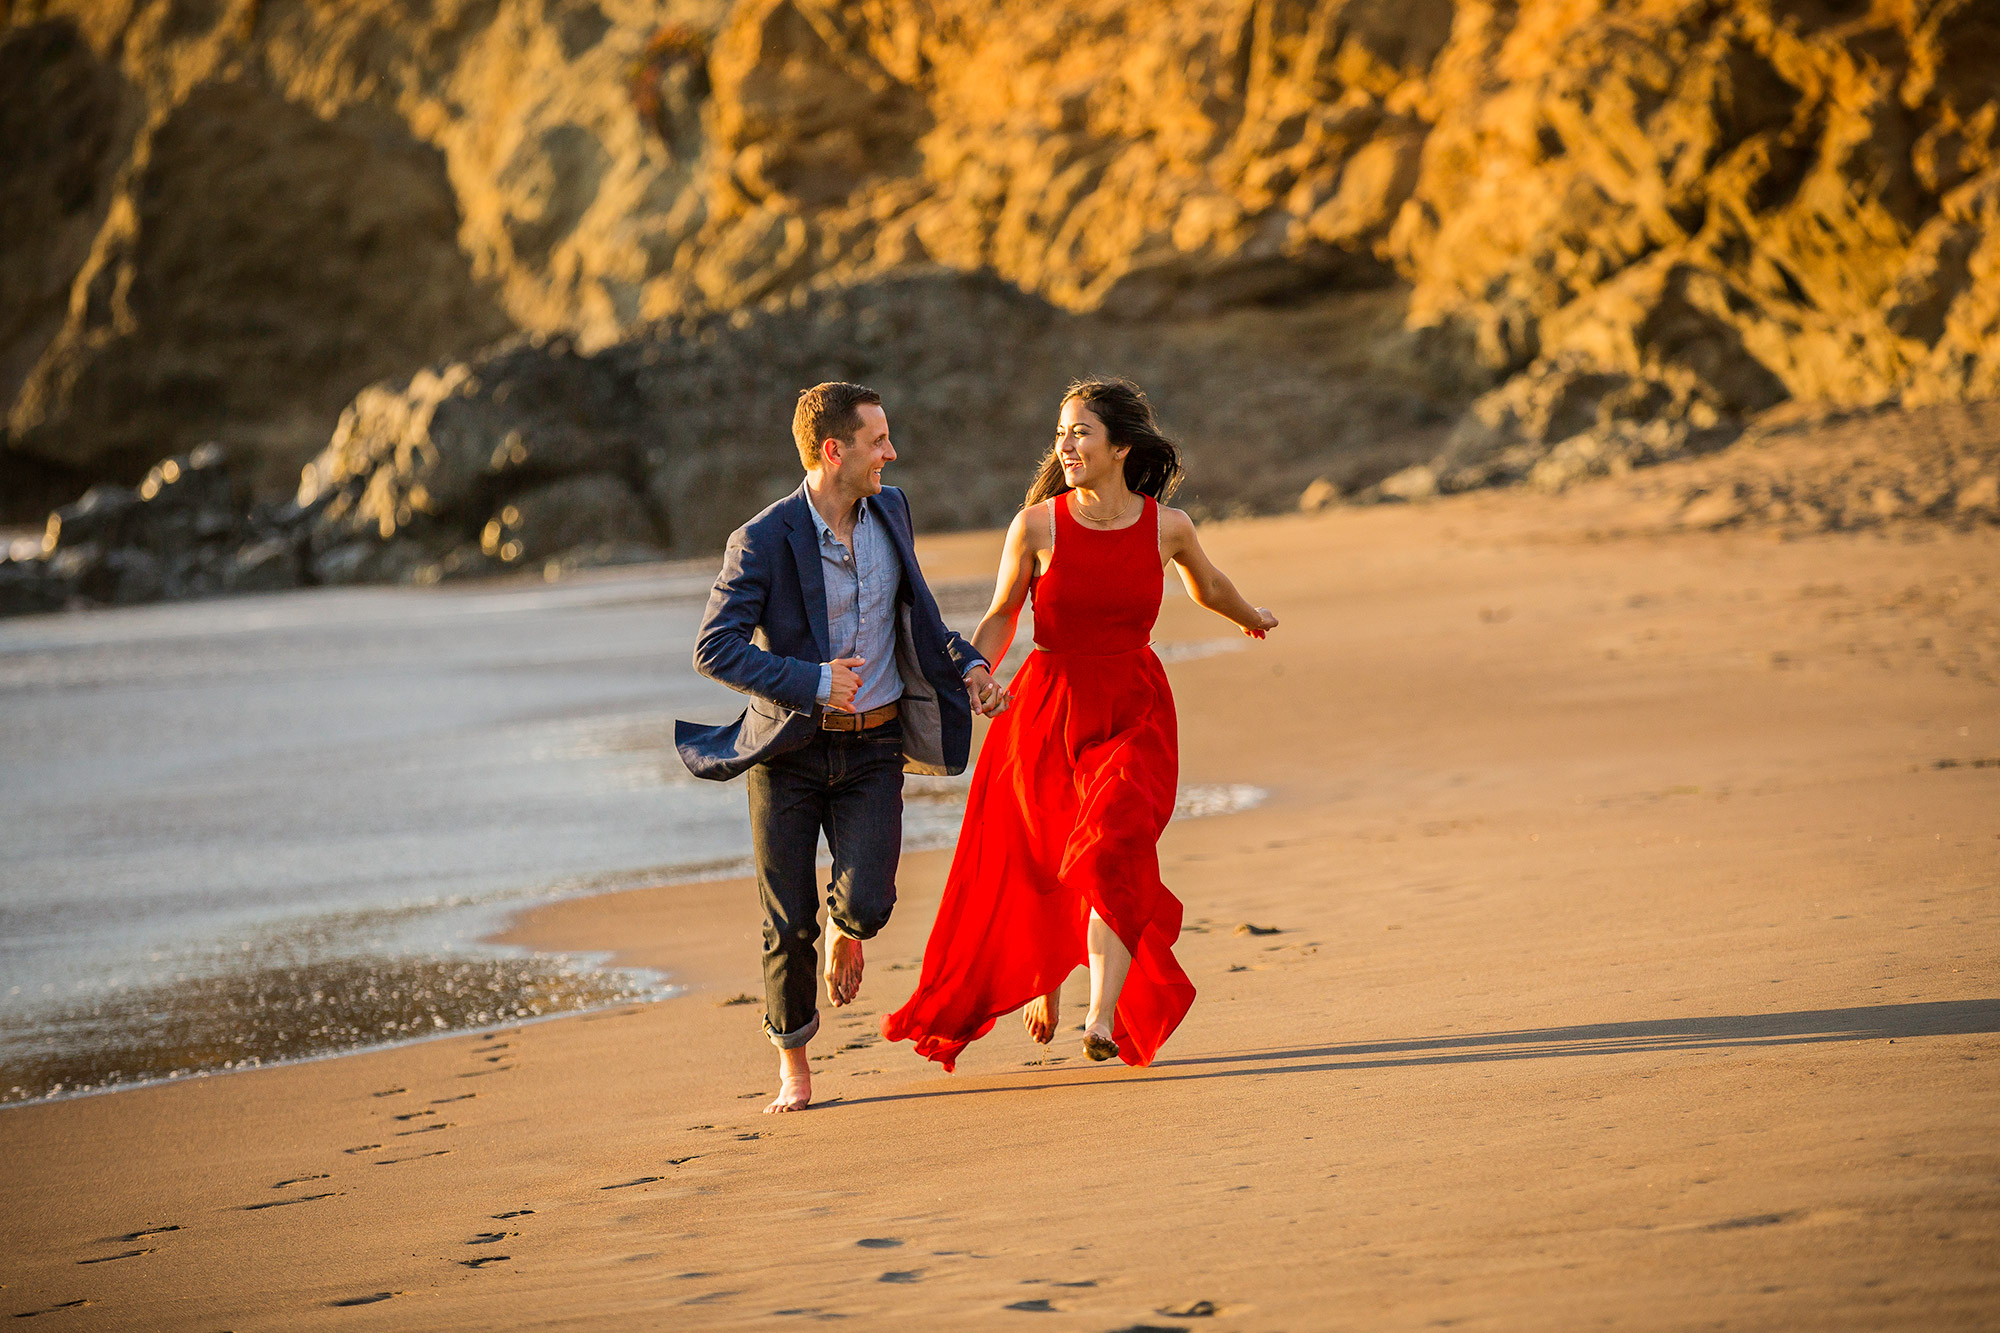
(1634, 966)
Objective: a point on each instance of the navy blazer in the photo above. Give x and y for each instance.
(765, 633)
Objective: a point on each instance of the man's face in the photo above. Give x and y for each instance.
(858, 464)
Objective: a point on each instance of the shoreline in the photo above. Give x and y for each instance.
(509, 941)
(1632, 960)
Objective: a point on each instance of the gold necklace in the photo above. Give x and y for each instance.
(1092, 518)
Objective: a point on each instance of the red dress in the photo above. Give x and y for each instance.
(1072, 789)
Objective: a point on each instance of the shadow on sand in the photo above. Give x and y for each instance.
(1940, 1018)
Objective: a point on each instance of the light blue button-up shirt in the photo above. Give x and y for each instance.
(861, 588)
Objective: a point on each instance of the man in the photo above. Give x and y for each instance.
(822, 617)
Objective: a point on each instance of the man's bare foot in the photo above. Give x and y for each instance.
(795, 1085)
(843, 966)
(1041, 1016)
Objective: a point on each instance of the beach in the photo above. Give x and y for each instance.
(1615, 945)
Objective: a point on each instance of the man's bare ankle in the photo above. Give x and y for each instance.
(794, 1081)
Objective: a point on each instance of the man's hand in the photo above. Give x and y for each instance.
(846, 681)
(1266, 622)
(989, 696)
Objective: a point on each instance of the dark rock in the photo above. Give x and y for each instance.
(587, 511)
(1559, 423)
(132, 575)
(689, 423)
(85, 572)
(270, 565)
(103, 517)
(180, 534)
(29, 586)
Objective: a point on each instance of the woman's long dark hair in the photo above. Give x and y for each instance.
(1153, 467)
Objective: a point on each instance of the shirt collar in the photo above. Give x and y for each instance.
(826, 529)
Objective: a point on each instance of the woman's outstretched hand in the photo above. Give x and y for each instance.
(1266, 622)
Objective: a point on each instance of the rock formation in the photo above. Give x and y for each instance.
(183, 532)
(1636, 224)
(1797, 472)
(536, 452)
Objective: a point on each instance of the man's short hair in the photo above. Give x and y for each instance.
(828, 411)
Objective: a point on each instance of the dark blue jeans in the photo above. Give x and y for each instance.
(849, 783)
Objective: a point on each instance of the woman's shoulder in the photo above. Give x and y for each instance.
(1173, 522)
(1035, 524)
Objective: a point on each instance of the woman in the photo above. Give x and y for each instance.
(1058, 856)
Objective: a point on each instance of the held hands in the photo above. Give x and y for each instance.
(846, 683)
(989, 696)
(1266, 622)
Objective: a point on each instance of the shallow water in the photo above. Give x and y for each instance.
(268, 828)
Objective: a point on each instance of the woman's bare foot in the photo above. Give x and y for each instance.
(843, 966)
(1041, 1015)
(1098, 1044)
(795, 1085)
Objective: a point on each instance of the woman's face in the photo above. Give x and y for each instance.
(1084, 448)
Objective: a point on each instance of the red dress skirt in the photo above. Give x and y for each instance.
(1072, 789)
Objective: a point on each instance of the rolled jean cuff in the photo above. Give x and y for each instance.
(791, 1041)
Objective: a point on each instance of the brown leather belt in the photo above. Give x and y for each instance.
(874, 717)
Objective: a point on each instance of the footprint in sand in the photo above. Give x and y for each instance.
(518, 1212)
(878, 1243)
(907, 1275)
(391, 1092)
(748, 1138)
(397, 1161)
(710, 1297)
(1759, 1220)
(413, 1115)
(366, 1300)
(66, 1305)
(486, 1259)
(111, 1258)
(496, 1046)
(131, 1236)
(1194, 1310)
(295, 1180)
(1153, 1328)
(491, 1237)
(628, 1184)
(366, 1147)
(1036, 1306)
(286, 1203)
(423, 1129)
(677, 1161)
(462, 1097)
(478, 1073)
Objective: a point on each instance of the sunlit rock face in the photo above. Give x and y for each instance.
(225, 220)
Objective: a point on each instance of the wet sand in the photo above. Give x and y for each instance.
(1624, 953)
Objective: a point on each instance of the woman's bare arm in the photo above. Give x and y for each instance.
(1027, 537)
(1208, 586)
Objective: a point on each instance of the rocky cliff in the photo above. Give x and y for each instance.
(1609, 231)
